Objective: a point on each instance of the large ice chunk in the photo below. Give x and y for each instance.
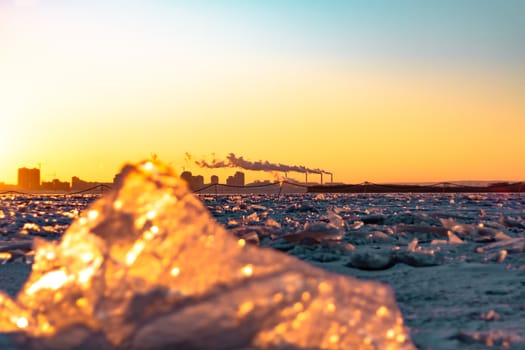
(146, 267)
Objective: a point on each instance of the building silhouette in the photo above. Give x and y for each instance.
(236, 180)
(7, 187)
(56, 185)
(214, 179)
(29, 179)
(194, 182)
(79, 185)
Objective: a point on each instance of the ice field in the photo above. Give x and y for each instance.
(455, 262)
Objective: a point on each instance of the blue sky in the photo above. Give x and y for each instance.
(449, 31)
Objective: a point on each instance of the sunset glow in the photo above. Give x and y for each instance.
(380, 91)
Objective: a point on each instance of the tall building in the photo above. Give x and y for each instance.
(236, 180)
(214, 179)
(194, 182)
(78, 185)
(29, 179)
(187, 176)
(198, 182)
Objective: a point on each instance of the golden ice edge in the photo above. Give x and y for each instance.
(147, 267)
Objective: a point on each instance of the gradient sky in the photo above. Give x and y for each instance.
(384, 91)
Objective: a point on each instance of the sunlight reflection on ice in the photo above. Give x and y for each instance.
(157, 271)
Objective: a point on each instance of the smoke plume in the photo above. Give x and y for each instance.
(232, 161)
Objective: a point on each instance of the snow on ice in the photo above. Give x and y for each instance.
(455, 261)
(146, 267)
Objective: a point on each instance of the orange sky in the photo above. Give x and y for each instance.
(84, 90)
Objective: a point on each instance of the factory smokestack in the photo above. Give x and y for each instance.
(232, 161)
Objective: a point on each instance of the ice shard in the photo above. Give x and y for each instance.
(146, 267)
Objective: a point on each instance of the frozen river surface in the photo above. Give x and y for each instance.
(455, 261)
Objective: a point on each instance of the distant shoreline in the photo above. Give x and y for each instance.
(292, 187)
(444, 187)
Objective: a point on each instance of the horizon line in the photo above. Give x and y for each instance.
(398, 182)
